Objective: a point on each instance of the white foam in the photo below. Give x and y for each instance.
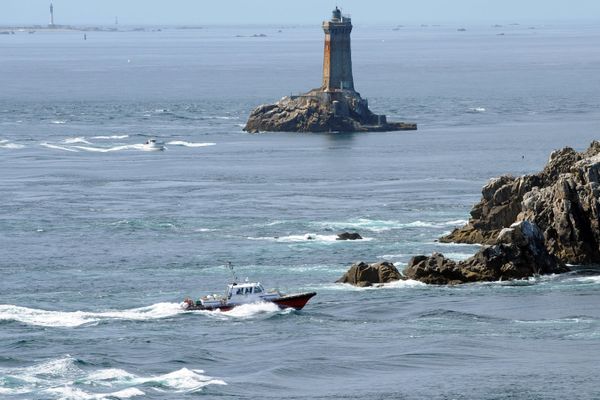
(183, 380)
(58, 122)
(11, 146)
(458, 256)
(111, 149)
(588, 279)
(62, 378)
(62, 319)
(363, 223)
(308, 238)
(249, 310)
(476, 110)
(400, 284)
(386, 225)
(189, 144)
(111, 137)
(79, 139)
(56, 147)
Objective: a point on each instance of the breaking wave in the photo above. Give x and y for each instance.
(63, 378)
(71, 319)
(307, 238)
(401, 284)
(76, 140)
(56, 147)
(6, 144)
(385, 225)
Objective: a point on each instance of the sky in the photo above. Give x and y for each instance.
(206, 12)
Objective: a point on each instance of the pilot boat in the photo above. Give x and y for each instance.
(237, 294)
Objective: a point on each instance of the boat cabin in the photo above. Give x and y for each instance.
(244, 291)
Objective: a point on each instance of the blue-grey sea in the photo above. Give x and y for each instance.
(100, 240)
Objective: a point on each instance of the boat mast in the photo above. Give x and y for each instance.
(233, 275)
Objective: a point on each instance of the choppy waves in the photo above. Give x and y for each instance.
(375, 225)
(70, 319)
(307, 238)
(69, 378)
(85, 144)
(7, 144)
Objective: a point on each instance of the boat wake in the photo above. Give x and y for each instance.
(189, 144)
(71, 319)
(77, 144)
(247, 311)
(64, 378)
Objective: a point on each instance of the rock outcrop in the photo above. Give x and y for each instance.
(320, 111)
(363, 274)
(518, 252)
(562, 201)
(348, 236)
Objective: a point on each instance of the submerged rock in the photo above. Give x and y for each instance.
(562, 201)
(348, 236)
(363, 274)
(518, 252)
(320, 111)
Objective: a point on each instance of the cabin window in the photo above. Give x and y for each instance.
(248, 290)
(257, 289)
(240, 291)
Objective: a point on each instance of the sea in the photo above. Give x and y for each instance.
(100, 240)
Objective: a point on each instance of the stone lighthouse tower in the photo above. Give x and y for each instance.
(337, 60)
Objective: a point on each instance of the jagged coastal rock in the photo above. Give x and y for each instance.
(335, 106)
(321, 111)
(562, 200)
(529, 225)
(363, 274)
(348, 236)
(518, 252)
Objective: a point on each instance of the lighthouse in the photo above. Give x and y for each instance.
(51, 15)
(337, 59)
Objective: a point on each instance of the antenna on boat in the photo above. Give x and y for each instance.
(233, 275)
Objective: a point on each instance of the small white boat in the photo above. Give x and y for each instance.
(246, 293)
(153, 145)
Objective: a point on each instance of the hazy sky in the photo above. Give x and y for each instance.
(294, 11)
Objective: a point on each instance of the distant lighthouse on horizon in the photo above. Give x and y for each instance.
(51, 15)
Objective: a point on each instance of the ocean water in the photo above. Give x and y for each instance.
(100, 240)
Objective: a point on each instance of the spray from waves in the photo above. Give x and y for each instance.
(308, 238)
(189, 144)
(247, 311)
(63, 378)
(58, 122)
(111, 137)
(71, 319)
(385, 225)
(400, 284)
(73, 140)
